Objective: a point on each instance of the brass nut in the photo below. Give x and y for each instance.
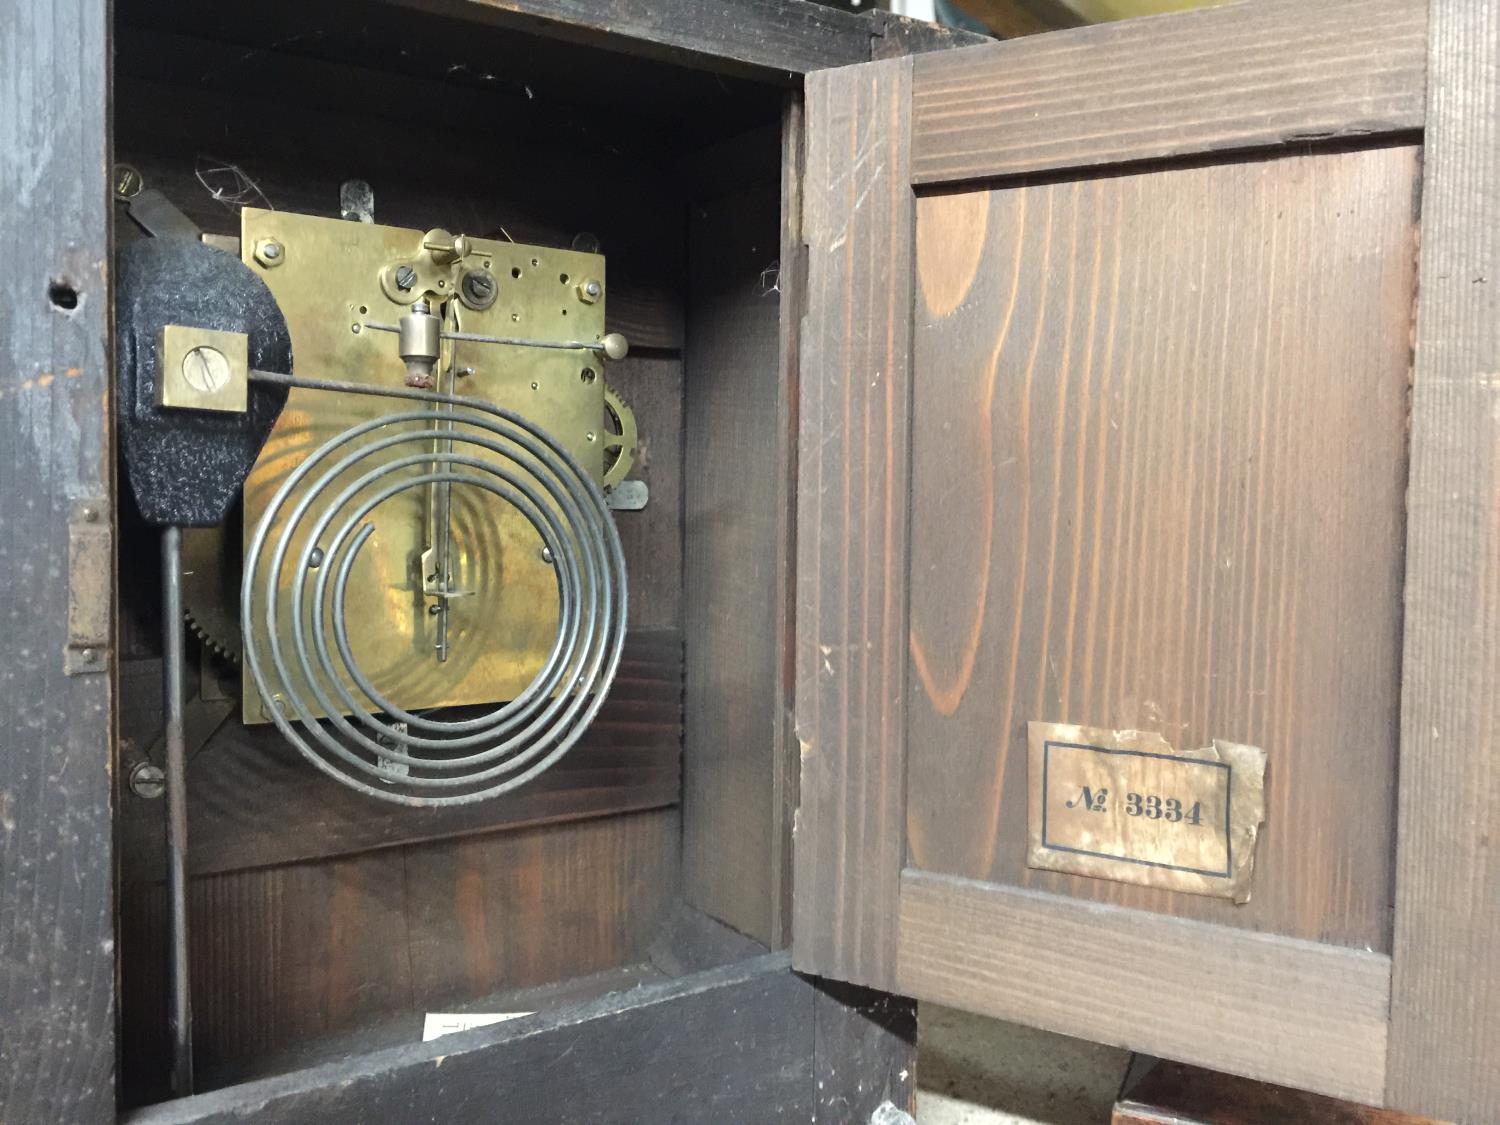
(590, 291)
(270, 253)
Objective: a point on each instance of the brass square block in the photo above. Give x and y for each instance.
(203, 369)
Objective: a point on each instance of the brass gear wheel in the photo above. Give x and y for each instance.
(211, 567)
(620, 437)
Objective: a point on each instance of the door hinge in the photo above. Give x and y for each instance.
(90, 587)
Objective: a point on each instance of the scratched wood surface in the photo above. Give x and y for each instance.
(1261, 1005)
(1245, 74)
(1158, 474)
(854, 402)
(1445, 1004)
(57, 1018)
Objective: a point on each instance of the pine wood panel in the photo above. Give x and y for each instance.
(1189, 1095)
(254, 801)
(1445, 1011)
(652, 537)
(852, 516)
(1158, 469)
(1248, 74)
(1286, 1011)
(523, 908)
(286, 956)
(734, 525)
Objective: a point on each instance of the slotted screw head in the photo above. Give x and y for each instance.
(479, 288)
(406, 277)
(128, 181)
(147, 781)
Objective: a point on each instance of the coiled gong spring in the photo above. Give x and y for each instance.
(315, 691)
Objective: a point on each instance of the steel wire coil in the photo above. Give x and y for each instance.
(385, 751)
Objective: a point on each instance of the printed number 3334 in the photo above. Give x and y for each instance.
(1150, 805)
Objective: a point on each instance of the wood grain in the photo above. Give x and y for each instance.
(733, 523)
(1189, 1095)
(278, 956)
(855, 394)
(896, 35)
(1445, 1009)
(628, 759)
(792, 281)
(1248, 74)
(517, 909)
(1286, 1011)
(57, 1023)
(1158, 471)
(284, 957)
(652, 538)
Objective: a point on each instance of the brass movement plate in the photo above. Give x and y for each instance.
(1123, 805)
(327, 280)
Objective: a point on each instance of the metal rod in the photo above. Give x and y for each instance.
(440, 498)
(518, 341)
(180, 1012)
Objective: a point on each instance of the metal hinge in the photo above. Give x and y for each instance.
(90, 579)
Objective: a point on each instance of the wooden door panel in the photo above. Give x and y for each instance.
(1158, 462)
(1233, 77)
(1110, 408)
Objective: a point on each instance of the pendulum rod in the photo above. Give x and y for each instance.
(180, 1001)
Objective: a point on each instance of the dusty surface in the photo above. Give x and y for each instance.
(976, 1071)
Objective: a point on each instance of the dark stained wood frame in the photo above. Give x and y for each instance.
(57, 965)
(773, 40)
(1445, 1000)
(1247, 76)
(852, 518)
(747, 1043)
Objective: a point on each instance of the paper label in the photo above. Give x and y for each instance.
(1124, 805)
(446, 1023)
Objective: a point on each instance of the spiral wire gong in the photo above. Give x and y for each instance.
(385, 751)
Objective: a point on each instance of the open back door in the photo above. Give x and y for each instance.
(1148, 588)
